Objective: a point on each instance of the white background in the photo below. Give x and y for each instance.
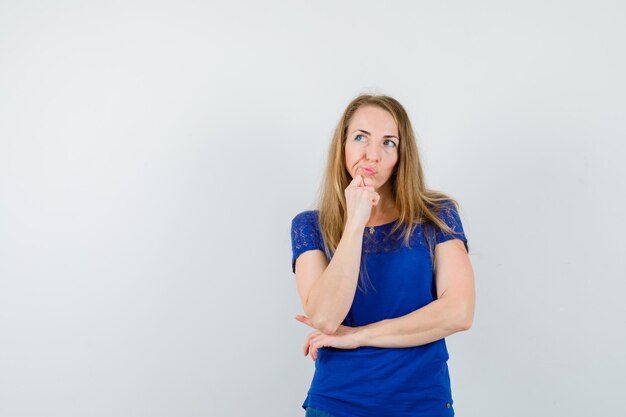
(153, 154)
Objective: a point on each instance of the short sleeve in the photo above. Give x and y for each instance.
(305, 235)
(450, 216)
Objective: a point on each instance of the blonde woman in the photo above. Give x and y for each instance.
(383, 273)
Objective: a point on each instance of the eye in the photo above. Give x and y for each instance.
(392, 142)
(356, 137)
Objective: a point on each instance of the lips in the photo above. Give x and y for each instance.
(368, 171)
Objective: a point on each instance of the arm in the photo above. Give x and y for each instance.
(451, 312)
(327, 298)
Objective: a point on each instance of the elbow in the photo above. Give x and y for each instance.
(321, 323)
(325, 326)
(464, 319)
(330, 329)
(465, 324)
(467, 320)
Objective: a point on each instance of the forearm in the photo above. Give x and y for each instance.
(331, 296)
(432, 322)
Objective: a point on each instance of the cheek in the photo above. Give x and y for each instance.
(393, 166)
(349, 157)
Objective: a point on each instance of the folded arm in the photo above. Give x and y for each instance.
(451, 312)
(327, 289)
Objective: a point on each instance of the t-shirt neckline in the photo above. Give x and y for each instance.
(382, 225)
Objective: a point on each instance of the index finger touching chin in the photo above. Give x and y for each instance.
(356, 181)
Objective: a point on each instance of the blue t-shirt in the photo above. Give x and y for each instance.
(383, 382)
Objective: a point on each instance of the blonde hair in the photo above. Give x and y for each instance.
(415, 203)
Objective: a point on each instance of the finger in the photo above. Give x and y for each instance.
(304, 319)
(317, 336)
(316, 346)
(315, 333)
(356, 181)
(317, 351)
(311, 338)
(308, 344)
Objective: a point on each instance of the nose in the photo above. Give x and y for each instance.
(372, 152)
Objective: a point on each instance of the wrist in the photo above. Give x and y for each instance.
(351, 227)
(362, 336)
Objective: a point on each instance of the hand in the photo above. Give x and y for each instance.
(359, 201)
(345, 337)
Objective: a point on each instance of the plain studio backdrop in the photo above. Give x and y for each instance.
(153, 154)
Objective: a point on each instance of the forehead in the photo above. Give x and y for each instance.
(373, 119)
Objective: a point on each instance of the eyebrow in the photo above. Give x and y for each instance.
(368, 133)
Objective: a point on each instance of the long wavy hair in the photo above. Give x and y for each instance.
(416, 203)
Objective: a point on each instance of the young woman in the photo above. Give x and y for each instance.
(383, 274)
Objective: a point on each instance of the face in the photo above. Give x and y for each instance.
(372, 145)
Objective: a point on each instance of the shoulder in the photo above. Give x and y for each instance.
(305, 224)
(446, 210)
(305, 234)
(442, 205)
(306, 217)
